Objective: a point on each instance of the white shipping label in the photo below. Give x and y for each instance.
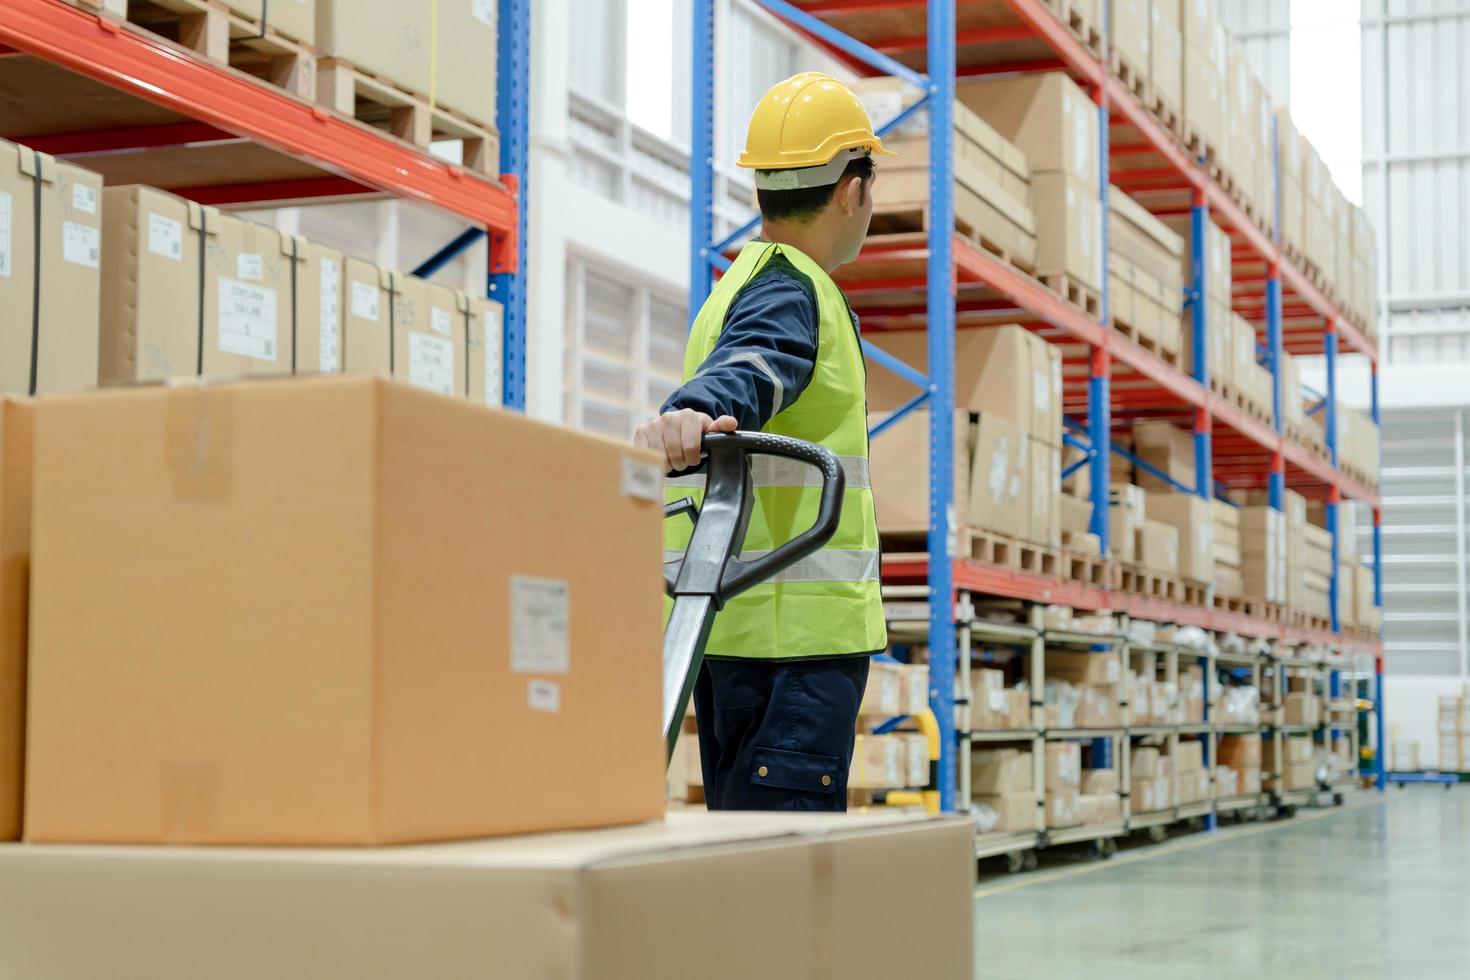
(166, 237)
(5, 234)
(84, 198)
(642, 480)
(540, 611)
(81, 245)
(483, 11)
(330, 324)
(249, 267)
(365, 301)
(998, 699)
(441, 321)
(247, 319)
(431, 363)
(999, 470)
(544, 696)
(1040, 389)
(494, 327)
(1082, 148)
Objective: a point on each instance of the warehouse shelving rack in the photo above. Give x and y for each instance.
(240, 141)
(1010, 36)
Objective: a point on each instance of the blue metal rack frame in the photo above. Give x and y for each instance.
(937, 387)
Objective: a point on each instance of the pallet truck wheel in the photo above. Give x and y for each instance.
(1157, 833)
(1287, 812)
(1105, 847)
(1337, 799)
(1196, 824)
(1029, 861)
(1015, 861)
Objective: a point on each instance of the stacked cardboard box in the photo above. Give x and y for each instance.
(345, 566)
(992, 178)
(1128, 25)
(1263, 553)
(1008, 463)
(1100, 801)
(191, 290)
(1063, 783)
(1145, 260)
(1291, 763)
(1454, 732)
(1228, 576)
(1055, 125)
(1125, 520)
(1188, 764)
(892, 761)
(1206, 54)
(1319, 232)
(1248, 376)
(1190, 517)
(1357, 440)
(1303, 563)
(50, 249)
(995, 707)
(1150, 785)
(1302, 708)
(1241, 754)
(1315, 571)
(1097, 676)
(1158, 547)
(1166, 52)
(16, 434)
(1293, 195)
(442, 52)
(1002, 780)
(1360, 293)
(1366, 611)
(1167, 448)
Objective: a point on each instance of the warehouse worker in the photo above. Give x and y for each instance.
(775, 349)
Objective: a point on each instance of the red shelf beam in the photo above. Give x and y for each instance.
(158, 72)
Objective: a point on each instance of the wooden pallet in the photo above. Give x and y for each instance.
(1155, 585)
(222, 36)
(1303, 619)
(1085, 298)
(1193, 592)
(1079, 24)
(1199, 146)
(383, 105)
(976, 545)
(1133, 77)
(1294, 254)
(1092, 570)
(1363, 477)
(1306, 435)
(1148, 342)
(912, 217)
(1258, 608)
(1167, 114)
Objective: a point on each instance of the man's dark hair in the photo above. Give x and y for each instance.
(805, 203)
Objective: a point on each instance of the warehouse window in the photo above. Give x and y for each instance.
(624, 350)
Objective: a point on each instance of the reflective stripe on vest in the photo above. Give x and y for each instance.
(831, 601)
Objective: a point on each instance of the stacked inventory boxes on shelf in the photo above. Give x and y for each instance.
(1125, 520)
(1228, 575)
(899, 759)
(1192, 779)
(1362, 283)
(1220, 356)
(1242, 755)
(1308, 562)
(992, 179)
(1145, 275)
(1357, 442)
(1263, 553)
(1167, 448)
(1291, 764)
(1003, 787)
(1128, 27)
(1319, 241)
(995, 707)
(1055, 125)
(1289, 145)
(1166, 56)
(1100, 800)
(1454, 732)
(49, 272)
(1302, 705)
(1150, 786)
(1063, 783)
(1190, 517)
(1082, 689)
(1007, 436)
(1206, 57)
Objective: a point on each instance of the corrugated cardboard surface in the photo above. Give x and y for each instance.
(70, 254)
(17, 266)
(899, 464)
(429, 336)
(1189, 515)
(367, 318)
(328, 611)
(485, 326)
(247, 300)
(1047, 116)
(150, 286)
(15, 557)
(1068, 228)
(772, 894)
(1158, 547)
(319, 294)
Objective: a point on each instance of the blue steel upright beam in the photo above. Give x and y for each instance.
(1199, 219)
(701, 152)
(513, 113)
(1099, 374)
(943, 657)
(1380, 757)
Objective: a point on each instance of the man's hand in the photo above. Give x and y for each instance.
(678, 435)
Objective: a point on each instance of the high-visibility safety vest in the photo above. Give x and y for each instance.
(830, 602)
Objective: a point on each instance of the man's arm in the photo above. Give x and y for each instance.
(763, 360)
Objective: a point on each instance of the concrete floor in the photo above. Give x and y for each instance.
(1379, 888)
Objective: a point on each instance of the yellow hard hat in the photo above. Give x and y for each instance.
(811, 124)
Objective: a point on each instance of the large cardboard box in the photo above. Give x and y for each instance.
(999, 478)
(1365, 610)
(1188, 755)
(453, 66)
(247, 298)
(1063, 766)
(1125, 517)
(1128, 27)
(1099, 782)
(1061, 808)
(1148, 795)
(1240, 751)
(1166, 52)
(50, 278)
(898, 462)
(1190, 516)
(429, 336)
(1047, 116)
(317, 319)
(1000, 771)
(294, 18)
(878, 762)
(342, 632)
(1081, 667)
(1042, 479)
(15, 557)
(1007, 370)
(1158, 547)
(1167, 448)
(1068, 228)
(629, 903)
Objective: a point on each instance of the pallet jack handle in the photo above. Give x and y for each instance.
(711, 571)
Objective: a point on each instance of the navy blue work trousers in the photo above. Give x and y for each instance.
(778, 734)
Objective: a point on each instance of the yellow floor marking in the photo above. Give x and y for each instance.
(1162, 850)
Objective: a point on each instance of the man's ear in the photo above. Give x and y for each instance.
(851, 192)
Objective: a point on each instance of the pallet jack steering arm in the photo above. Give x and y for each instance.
(711, 571)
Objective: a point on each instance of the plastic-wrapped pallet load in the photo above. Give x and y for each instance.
(1166, 53)
(1205, 63)
(1293, 199)
(1191, 518)
(50, 282)
(1263, 553)
(1153, 253)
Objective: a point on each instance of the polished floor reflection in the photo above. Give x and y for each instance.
(1379, 888)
